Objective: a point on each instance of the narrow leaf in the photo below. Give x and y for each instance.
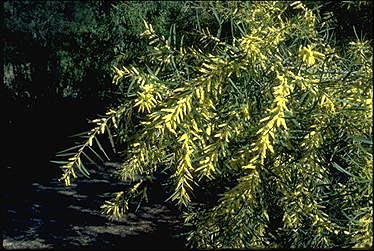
(58, 162)
(341, 169)
(69, 149)
(101, 148)
(97, 155)
(89, 159)
(83, 170)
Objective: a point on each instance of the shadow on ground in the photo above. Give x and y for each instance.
(45, 214)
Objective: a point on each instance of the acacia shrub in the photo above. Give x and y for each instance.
(275, 118)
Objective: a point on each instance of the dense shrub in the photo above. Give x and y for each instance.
(262, 115)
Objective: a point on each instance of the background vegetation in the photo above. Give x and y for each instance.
(58, 58)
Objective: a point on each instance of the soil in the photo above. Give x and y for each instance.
(44, 214)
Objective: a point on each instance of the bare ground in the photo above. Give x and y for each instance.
(43, 214)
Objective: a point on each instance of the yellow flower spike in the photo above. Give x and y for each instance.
(318, 55)
(67, 181)
(249, 166)
(119, 72)
(297, 5)
(208, 130)
(281, 79)
(90, 141)
(283, 123)
(309, 56)
(369, 102)
(184, 137)
(311, 60)
(323, 100)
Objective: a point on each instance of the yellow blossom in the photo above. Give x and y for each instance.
(309, 56)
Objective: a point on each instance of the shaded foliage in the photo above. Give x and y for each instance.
(59, 49)
(58, 58)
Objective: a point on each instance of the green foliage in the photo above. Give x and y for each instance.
(360, 19)
(267, 110)
(67, 48)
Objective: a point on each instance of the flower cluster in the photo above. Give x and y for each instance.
(275, 120)
(309, 56)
